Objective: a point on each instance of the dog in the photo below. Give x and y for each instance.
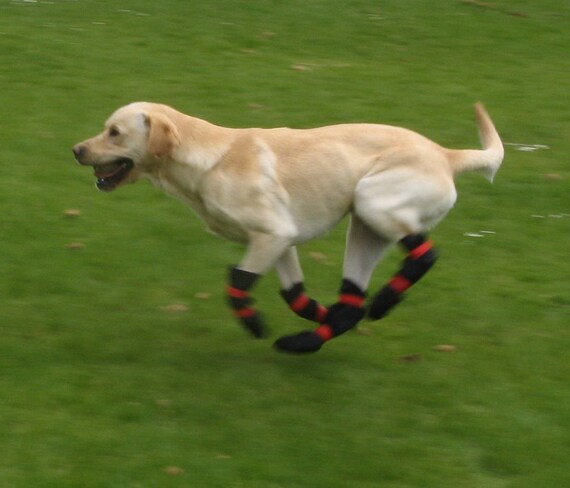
(272, 189)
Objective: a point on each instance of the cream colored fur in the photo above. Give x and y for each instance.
(275, 188)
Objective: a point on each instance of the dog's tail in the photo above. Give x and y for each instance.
(486, 161)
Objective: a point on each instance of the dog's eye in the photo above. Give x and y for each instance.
(114, 132)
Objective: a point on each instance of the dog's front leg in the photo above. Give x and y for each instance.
(240, 282)
(363, 250)
(293, 288)
(339, 318)
(263, 251)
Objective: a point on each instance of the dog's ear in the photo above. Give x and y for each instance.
(163, 136)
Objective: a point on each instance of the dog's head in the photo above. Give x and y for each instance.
(137, 138)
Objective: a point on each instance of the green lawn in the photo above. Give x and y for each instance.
(120, 365)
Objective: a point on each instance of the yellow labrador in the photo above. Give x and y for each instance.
(272, 189)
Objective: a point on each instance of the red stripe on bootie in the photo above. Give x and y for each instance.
(324, 332)
(399, 284)
(352, 300)
(419, 251)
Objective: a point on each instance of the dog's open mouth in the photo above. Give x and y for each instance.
(111, 175)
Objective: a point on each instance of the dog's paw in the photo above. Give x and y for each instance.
(301, 343)
(255, 326)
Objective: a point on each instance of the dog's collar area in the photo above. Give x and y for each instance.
(109, 176)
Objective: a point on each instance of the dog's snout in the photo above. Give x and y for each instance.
(78, 151)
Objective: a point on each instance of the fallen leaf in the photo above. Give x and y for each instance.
(173, 470)
(203, 295)
(552, 176)
(318, 256)
(175, 308)
(75, 246)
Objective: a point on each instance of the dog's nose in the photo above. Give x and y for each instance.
(78, 151)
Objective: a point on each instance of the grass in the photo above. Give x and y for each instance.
(104, 384)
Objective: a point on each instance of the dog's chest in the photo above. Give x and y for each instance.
(216, 221)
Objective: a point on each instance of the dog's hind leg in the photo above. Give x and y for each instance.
(420, 258)
(363, 250)
(402, 205)
(293, 289)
